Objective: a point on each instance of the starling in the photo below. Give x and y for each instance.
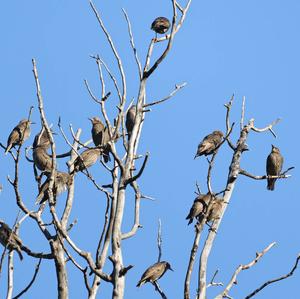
(100, 136)
(41, 140)
(19, 134)
(214, 210)
(274, 166)
(41, 159)
(62, 182)
(130, 118)
(10, 239)
(199, 207)
(86, 159)
(209, 144)
(154, 272)
(160, 25)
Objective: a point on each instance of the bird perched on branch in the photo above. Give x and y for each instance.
(41, 159)
(62, 182)
(274, 166)
(86, 159)
(101, 137)
(214, 209)
(209, 144)
(19, 134)
(154, 272)
(42, 140)
(10, 239)
(199, 207)
(130, 118)
(160, 25)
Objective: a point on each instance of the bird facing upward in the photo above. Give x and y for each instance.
(19, 134)
(154, 272)
(130, 118)
(160, 25)
(100, 136)
(274, 166)
(41, 140)
(10, 239)
(209, 144)
(41, 159)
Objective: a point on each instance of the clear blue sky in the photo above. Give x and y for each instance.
(250, 48)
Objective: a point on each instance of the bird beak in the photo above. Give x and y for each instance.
(32, 123)
(272, 146)
(171, 269)
(90, 119)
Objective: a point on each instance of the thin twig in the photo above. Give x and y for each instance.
(276, 279)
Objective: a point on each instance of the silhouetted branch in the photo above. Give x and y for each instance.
(228, 109)
(159, 241)
(242, 268)
(275, 280)
(134, 178)
(36, 271)
(213, 283)
(177, 88)
(283, 175)
(159, 290)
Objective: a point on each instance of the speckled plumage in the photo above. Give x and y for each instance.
(62, 182)
(199, 207)
(160, 25)
(9, 239)
(88, 158)
(18, 135)
(209, 144)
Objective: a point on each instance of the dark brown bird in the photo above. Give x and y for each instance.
(62, 182)
(10, 239)
(130, 118)
(41, 140)
(154, 272)
(19, 134)
(86, 159)
(41, 159)
(100, 136)
(274, 166)
(214, 210)
(209, 144)
(160, 25)
(199, 207)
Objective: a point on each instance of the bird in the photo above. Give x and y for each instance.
(41, 159)
(154, 272)
(160, 25)
(130, 118)
(86, 159)
(214, 210)
(209, 144)
(274, 166)
(42, 140)
(199, 207)
(19, 134)
(100, 135)
(9, 239)
(62, 182)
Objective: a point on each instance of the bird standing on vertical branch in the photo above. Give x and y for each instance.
(19, 134)
(41, 140)
(130, 118)
(214, 209)
(209, 144)
(9, 239)
(160, 25)
(100, 136)
(198, 208)
(154, 272)
(274, 166)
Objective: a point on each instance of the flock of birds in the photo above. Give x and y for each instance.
(204, 205)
